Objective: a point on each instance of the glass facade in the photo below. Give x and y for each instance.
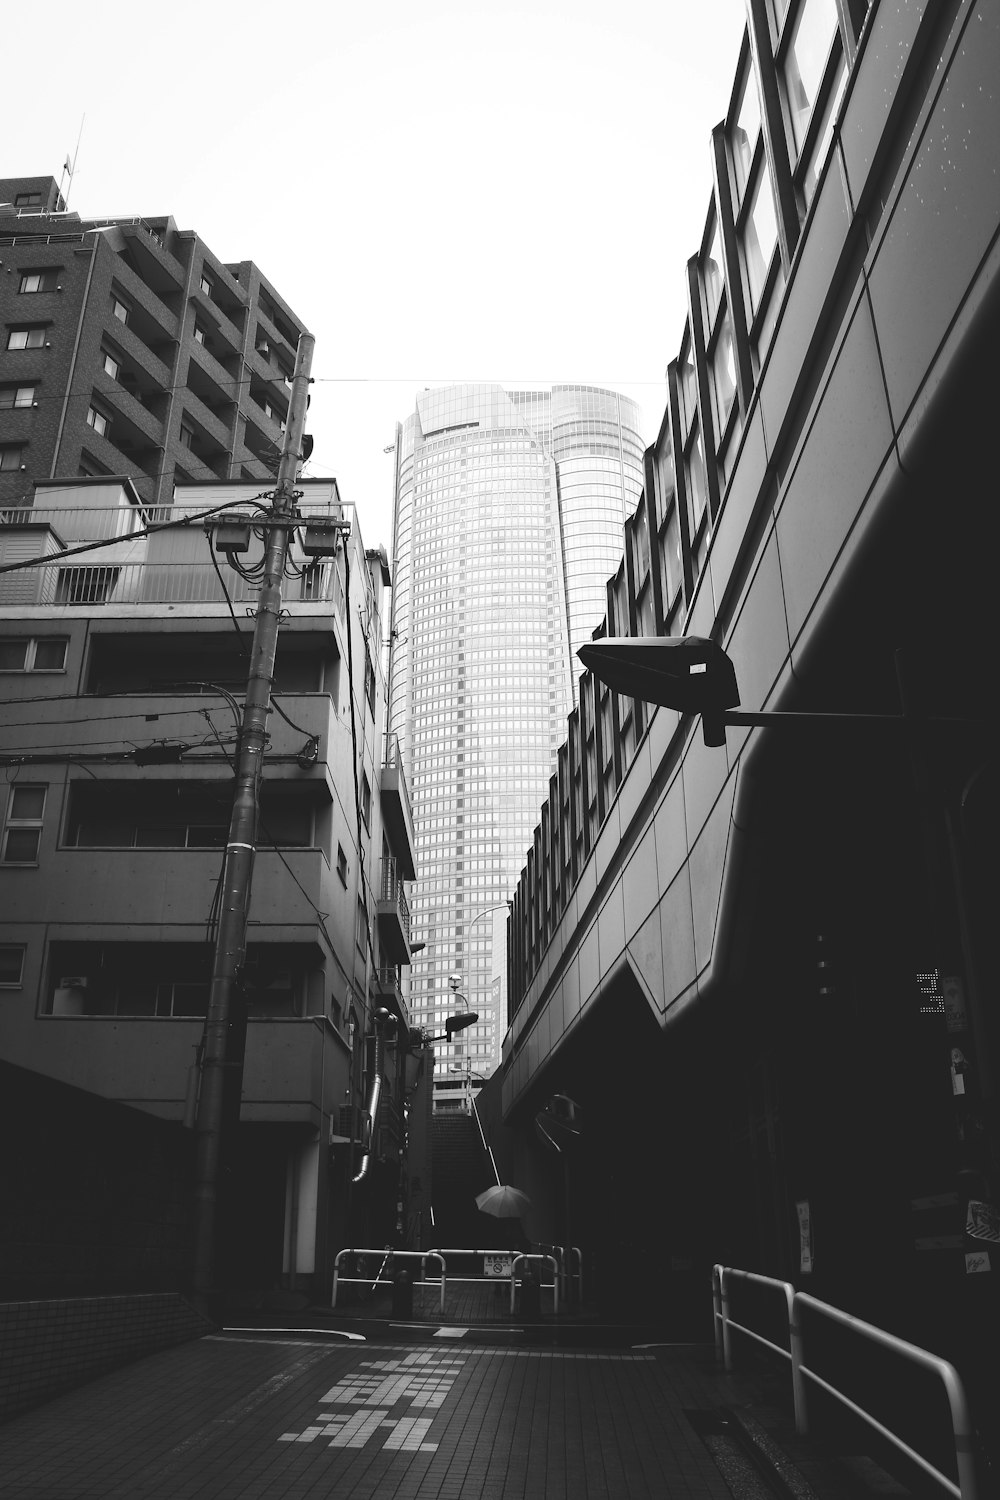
(509, 514)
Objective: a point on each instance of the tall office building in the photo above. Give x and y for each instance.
(508, 518)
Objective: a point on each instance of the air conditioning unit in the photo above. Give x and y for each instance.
(69, 995)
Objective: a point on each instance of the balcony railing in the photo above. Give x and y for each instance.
(391, 890)
(170, 566)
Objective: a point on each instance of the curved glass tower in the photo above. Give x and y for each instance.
(508, 520)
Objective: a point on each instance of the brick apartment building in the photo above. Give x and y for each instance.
(128, 348)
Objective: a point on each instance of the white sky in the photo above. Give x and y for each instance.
(441, 191)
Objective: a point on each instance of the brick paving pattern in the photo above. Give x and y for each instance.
(258, 1416)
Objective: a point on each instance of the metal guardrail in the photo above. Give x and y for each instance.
(387, 1258)
(962, 1430)
(554, 1283)
(565, 1255)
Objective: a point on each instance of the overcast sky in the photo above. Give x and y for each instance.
(441, 191)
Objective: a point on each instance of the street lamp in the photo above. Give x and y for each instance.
(695, 676)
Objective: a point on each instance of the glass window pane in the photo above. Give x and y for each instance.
(697, 482)
(743, 139)
(759, 237)
(723, 377)
(670, 561)
(27, 802)
(21, 846)
(713, 278)
(818, 155)
(13, 655)
(50, 656)
(814, 30)
(686, 385)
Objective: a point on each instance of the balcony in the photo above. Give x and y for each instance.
(393, 914)
(397, 813)
(170, 567)
(388, 992)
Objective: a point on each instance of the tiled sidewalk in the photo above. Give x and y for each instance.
(258, 1417)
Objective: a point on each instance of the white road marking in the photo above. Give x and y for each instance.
(451, 1333)
(422, 1378)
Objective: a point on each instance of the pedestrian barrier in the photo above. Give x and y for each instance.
(387, 1259)
(569, 1259)
(554, 1283)
(961, 1421)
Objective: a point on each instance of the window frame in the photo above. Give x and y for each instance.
(14, 948)
(97, 419)
(31, 643)
(12, 457)
(13, 330)
(13, 824)
(15, 391)
(46, 276)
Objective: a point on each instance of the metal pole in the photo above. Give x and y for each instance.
(225, 1029)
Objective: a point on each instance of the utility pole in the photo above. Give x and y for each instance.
(225, 1029)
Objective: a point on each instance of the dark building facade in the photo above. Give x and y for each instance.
(128, 348)
(763, 971)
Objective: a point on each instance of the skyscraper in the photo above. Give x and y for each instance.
(508, 518)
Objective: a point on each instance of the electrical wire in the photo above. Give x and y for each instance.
(149, 530)
(243, 643)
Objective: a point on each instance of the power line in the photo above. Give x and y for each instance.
(149, 530)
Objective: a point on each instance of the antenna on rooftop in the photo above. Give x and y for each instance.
(69, 168)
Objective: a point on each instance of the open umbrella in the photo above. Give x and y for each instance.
(503, 1202)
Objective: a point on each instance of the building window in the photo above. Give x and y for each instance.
(206, 284)
(366, 800)
(200, 333)
(121, 309)
(33, 654)
(745, 133)
(38, 281)
(369, 681)
(342, 864)
(760, 236)
(27, 338)
(723, 359)
(112, 366)
(23, 827)
(13, 396)
(97, 420)
(362, 927)
(805, 63)
(12, 456)
(28, 200)
(187, 435)
(11, 965)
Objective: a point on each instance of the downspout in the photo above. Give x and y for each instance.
(374, 1094)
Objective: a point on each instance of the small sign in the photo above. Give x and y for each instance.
(953, 992)
(976, 1260)
(983, 1222)
(497, 1265)
(805, 1237)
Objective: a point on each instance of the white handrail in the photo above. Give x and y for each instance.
(961, 1420)
(388, 1256)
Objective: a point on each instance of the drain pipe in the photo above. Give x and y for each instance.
(382, 1018)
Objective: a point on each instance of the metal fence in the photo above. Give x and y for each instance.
(961, 1422)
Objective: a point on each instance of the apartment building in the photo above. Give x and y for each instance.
(128, 348)
(122, 675)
